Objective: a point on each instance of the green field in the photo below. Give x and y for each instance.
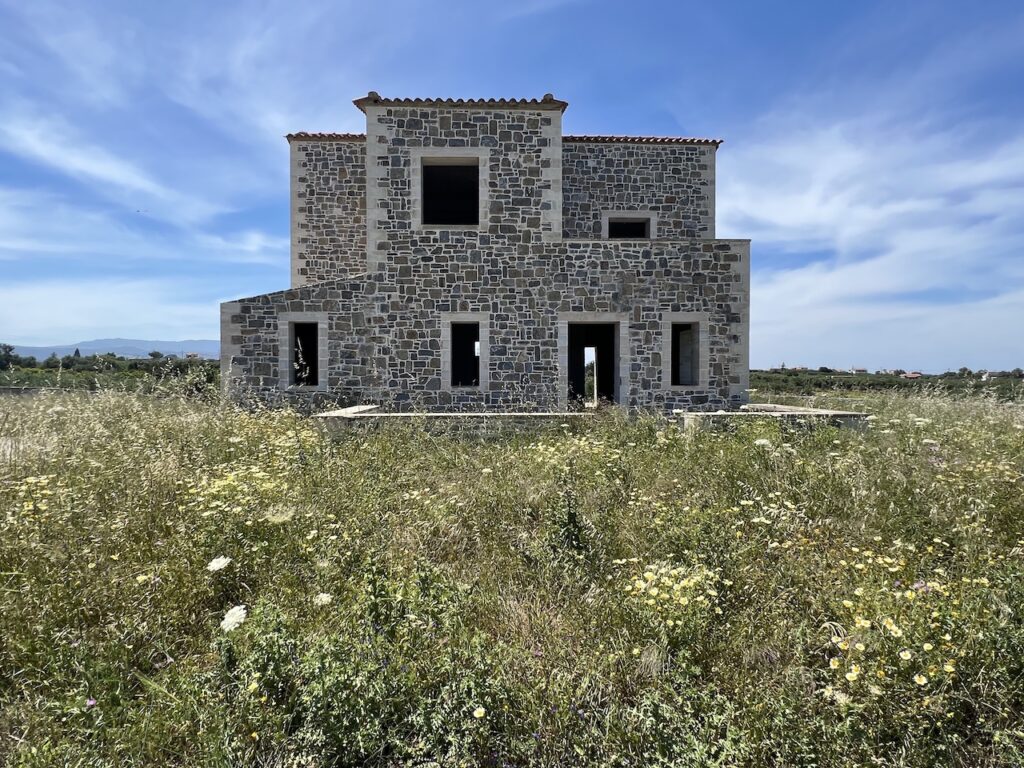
(183, 582)
(1003, 385)
(96, 372)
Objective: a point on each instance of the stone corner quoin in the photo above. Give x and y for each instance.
(605, 242)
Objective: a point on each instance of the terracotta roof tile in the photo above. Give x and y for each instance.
(642, 140)
(303, 136)
(547, 102)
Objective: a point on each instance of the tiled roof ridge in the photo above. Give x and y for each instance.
(314, 136)
(548, 101)
(642, 140)
(307, 136)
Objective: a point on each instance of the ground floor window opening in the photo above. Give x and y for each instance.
(305, 355)
(684, 354)
(465, 345)
(593, 363)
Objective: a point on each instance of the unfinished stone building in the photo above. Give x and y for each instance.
(465, 255)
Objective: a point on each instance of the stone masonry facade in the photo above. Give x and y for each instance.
(384, 289)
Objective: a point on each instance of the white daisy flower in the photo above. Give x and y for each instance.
(233, 618)
(218, 564)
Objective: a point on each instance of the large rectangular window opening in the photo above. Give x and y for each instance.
(629, 228)
(451, 191)
(685, 354)
(465, 343)
(305, 354)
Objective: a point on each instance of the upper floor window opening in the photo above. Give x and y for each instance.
(451, 191)
(628, 226)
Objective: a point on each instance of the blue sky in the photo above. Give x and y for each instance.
(874, 151)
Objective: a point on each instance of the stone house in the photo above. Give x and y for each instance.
(464, 254)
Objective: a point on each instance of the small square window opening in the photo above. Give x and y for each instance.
(629, 229)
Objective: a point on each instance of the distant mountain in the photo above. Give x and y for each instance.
(208, 348)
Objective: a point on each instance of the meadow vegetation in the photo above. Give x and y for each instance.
(109, 371)
(1007, 386)
(185, 582)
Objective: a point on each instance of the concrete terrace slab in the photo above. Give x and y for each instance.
(370, 413)
(472, 422)
(347, 413)
(697, 420)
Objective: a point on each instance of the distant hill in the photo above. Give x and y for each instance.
(208, 348)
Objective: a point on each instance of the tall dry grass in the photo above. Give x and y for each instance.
(620, 594)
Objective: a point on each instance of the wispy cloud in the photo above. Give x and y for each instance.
(250, 246)
(258, 73)
(882, 188)
(84, 234)
(52, 142)
(101, 308)
(100, 58)
(888, 239)
(904, 234)
(70, 230)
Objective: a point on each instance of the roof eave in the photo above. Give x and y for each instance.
(306, 136)
(547, 102)
(643, 140)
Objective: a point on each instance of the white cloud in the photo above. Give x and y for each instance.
(257, 73)
(102, 308)
(898, 234)
(52, 142)
(100, 58)
(250, 246)
(84, 233)
(883, 241)
(69, 229)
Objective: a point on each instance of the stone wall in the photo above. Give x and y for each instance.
(385, 287)
(328, 200)
(251, 335)
(385, 331)
(676, 182)
(520, 162)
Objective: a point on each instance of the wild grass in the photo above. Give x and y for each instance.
(620, 594)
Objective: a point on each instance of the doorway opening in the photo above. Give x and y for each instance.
(593, 363)
(590, 377)
(465, 345)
